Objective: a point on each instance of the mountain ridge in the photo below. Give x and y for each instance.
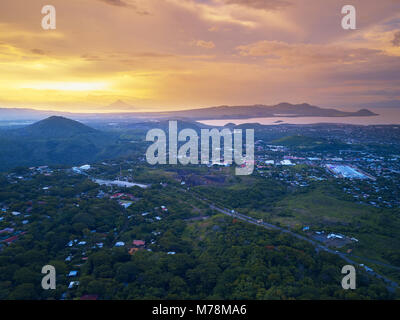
(283, 109)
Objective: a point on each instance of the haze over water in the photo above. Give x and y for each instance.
(385, 116)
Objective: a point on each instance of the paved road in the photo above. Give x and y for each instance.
(266, 225)
(391, 284)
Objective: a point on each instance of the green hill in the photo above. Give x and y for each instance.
(58, 140)
(300, 141)
(55, 127)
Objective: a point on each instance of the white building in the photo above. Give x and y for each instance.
(286, 163)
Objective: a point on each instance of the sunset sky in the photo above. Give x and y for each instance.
(179, 54)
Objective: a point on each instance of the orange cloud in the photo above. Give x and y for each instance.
(283, 53)
(204, 44)
(244, 52)
(261, 4)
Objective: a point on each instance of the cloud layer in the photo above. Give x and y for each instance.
(171, 54)
(261, 4)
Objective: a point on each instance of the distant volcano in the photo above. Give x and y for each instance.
(120, 105)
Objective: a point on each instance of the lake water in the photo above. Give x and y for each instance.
(386, 116)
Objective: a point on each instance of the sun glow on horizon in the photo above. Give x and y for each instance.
(181, 54)
(66, 86)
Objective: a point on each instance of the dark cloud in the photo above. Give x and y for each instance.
(396, 40)
(124, 3)
(118, 3)
(261, 4)
(153, 55)
(381, 104)
(382, 93)
(38, 51)
(89, 57)
(385, 71)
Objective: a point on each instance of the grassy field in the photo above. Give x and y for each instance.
(318, 208)
(378, 230)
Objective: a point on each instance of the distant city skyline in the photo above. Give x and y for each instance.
(182, 54)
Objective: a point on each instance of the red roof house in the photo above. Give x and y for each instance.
(139, 243)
